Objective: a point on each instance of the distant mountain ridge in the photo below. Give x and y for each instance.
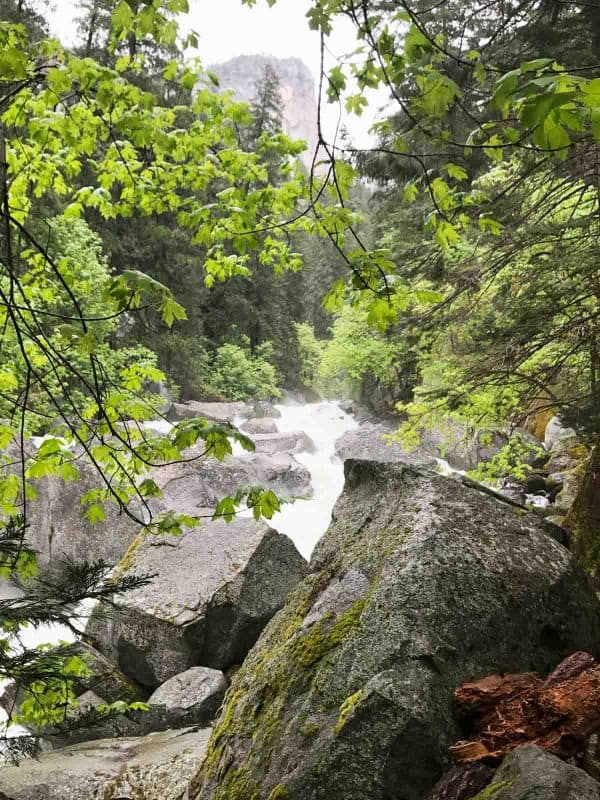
(297, 88)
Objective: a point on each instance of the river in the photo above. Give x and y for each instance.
(304, 521)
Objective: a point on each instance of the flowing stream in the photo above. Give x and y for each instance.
(305, 521)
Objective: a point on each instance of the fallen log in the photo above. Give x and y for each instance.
(558, 714)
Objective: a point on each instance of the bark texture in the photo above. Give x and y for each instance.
(557, 714)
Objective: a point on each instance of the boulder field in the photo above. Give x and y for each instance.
(349, 666)
(58, 531)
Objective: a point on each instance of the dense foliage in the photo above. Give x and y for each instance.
(90, 148)
(488, 174)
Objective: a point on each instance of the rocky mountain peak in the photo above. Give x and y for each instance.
(243, 73)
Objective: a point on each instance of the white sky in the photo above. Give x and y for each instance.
(227, 28)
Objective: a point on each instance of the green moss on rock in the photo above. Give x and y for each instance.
(273, 674)
(492, 790)
(323, 637)
(309, 729)
(239, 786)
(348, 707)
(279, 793)
(583, 517)
(128, 560)
(348, 692)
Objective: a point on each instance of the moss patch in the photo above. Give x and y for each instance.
(285, 665)
(348, 707)
(583, 517)
(492, 790)
(307, 650)
(279, 793)
(579, 452)
(239, 786)
(126, 563)
(309, 729)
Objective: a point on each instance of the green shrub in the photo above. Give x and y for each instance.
(238, 374)
(311, 352)
(357, 352)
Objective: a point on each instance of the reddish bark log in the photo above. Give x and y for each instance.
(558, 714)
(479, 697)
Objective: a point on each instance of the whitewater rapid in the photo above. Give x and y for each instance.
(305, 521)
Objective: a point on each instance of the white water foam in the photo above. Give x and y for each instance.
(305, 521)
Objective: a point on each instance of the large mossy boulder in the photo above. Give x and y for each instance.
(214, 589)
(153, 767)
(529, 773)
(420, 584)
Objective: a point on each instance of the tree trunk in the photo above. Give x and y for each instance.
(583, 519)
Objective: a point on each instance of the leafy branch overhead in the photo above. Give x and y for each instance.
(84, 142)
(89, 136)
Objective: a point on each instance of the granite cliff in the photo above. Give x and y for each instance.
(297, 88)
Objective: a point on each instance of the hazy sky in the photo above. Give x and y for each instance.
(227, 28)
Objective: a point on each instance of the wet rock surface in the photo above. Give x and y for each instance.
(214, 412)
(57, 530)
(259, 425)
(555, 432)
(192, 697)
(369, 442)
(348, 693)
(287, 442)
(262, 409)
(153, 767)
(214, 590)
(529, 773)
(104, 677)
(200, 484)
